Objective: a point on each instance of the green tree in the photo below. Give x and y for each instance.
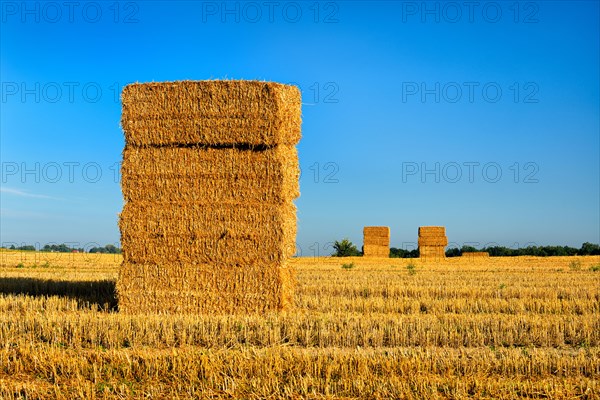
(110, 249)
(345, 248)
(397, 253)
(589, 249)
(453, 252)
(402, 253)
(468, 249)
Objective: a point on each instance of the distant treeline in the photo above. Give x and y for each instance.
(63, 248)
(587, 249)
(108, 249)
(346, 248)
(401, 253)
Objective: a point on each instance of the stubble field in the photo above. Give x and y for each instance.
(489, 328)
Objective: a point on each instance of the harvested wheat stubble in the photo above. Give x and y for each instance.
(211, 112)
(376, 241)
(476, 254)
(209, 174)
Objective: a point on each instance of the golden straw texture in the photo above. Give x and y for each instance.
(476, 254)
(209, 175)
(425, 231)
(432, 242)
(376, 241)
(211, 112)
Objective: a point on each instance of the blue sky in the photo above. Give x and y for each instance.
(484, 119)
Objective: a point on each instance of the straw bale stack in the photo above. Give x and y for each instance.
(209, 175)
(376, 241)
(432, 241)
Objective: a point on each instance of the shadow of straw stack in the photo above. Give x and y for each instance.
(87, 293)
(209, 175)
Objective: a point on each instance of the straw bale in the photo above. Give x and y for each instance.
(377, 240)
(209, 219)
(426, 231)
(206, 288)
(376, 231)
(370, 250)
(156, 232)
(194, 190)
(210, 175)
(232, 248)
(433, 241)
(198, 161)
(432, 252)
(251, 113)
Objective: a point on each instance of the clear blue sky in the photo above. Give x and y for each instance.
(389, 89)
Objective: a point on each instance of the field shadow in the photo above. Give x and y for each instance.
(89, 294)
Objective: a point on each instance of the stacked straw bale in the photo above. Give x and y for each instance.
(209, 174)
(376, 241)
(432, 241)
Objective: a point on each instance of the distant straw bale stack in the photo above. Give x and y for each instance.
(209, 175)
(432, 241)
(376, 241)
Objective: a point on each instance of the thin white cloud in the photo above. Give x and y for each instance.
(20, 215)
(20, 193)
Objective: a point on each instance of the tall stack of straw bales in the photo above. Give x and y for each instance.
(376, 241)
(432, 241)
(209, 173)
